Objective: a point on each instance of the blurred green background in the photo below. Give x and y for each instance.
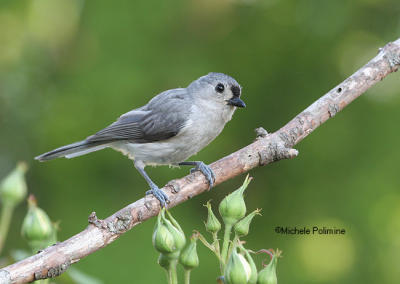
(70, 67)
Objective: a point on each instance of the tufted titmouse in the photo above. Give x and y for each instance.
(173, 126)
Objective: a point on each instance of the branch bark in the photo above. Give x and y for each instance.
(266, 149)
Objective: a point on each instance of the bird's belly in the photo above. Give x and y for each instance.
(169, 152)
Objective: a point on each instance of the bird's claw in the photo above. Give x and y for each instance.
(159, 194)
(206, 171)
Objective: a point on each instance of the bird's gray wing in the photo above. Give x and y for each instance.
(162, 118)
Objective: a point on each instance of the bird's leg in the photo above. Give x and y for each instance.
(158, 193)
(200, 166)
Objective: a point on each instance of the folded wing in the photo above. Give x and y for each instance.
(162, 118)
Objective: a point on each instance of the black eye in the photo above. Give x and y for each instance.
(220, 88)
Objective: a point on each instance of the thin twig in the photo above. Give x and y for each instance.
(266, 149)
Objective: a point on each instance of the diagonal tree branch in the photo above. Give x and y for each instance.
(266, 149)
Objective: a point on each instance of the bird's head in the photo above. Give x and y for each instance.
(219, 88)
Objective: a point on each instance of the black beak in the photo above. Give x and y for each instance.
(237, 102)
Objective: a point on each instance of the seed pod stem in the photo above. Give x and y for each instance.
(172, 276)
(217, 250)
(187, 276)
(225, 243)
(6, 214)
(232, 208)
(213, 247)
(234, 243)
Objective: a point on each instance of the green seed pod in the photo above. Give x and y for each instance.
(37, 228)
(163, 240)
(268, 274)
(177, 234)
(232, 208)
(168, 238)
(253, 275)
(164, 261)
(212, 224)
(238, 270)
(189, 258)
(13, 188)
(174, 222)
(242, 227)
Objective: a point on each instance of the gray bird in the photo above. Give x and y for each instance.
(170, 128)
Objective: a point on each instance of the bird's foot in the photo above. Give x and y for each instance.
(159, 194)
(206, 171)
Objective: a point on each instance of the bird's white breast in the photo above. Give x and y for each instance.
(203, 125)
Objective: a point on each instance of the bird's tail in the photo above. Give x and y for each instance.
(72, 150)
